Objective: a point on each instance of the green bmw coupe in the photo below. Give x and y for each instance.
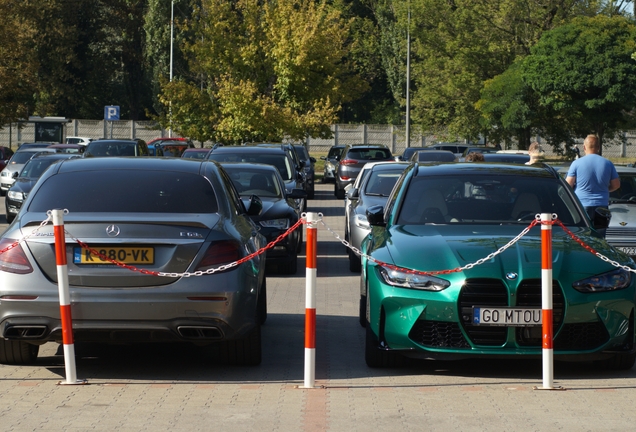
(457, 217)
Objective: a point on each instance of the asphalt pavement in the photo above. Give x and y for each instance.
(183, 389)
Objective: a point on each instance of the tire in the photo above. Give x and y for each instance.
(14, 352)
(10, 217)
(355, 264)
(378, 358)
(299, 246)
(619, 362)
(262, 303)
(362, 312)
(242, 352)
(340, 193)
(311, 194)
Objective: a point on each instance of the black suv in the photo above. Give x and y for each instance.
(277, 155)
(309, 166)
(354, 157)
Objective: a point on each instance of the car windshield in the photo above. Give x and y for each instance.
(280, 161)
(333, 152)
(255, 182)
(627, 189)
(21, 157)
(381, 183)
(110, 149)
(36, 167)
(126, 192)
(486, 199)
(302, 152)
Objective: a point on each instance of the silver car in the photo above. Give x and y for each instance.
(374, 190)
(621, 232)
(178, 217)
(15, 164)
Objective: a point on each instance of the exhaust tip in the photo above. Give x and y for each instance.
(199, 332)
(25, 332)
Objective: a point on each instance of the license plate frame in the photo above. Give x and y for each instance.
(144, 255)
(506, 316)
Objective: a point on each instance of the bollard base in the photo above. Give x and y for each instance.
(309, 388)
(78, 382)
(548, 388)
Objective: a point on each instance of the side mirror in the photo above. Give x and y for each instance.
(353, 193)
(312, 159)
(375, 215)
(323, 157)
(297, 194)
(602, 218)
(15, 174)
(255, 206)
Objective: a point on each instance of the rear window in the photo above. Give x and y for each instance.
(280, 161)
(369, 154)
(21, 157)
(126, 191)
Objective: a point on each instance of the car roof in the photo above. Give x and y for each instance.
(250, 165)
(149, 163)
(47, 155)
(464, 168)
(250, 149)
(367, 145)
(506, 157)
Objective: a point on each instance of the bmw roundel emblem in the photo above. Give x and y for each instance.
(511, 276)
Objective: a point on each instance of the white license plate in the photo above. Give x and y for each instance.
(631, 251)
(511, 317)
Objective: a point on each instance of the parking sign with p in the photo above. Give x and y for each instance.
(111, 112)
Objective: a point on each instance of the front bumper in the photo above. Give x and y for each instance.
(438, 324)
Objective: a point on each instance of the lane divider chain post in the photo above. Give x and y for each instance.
(65, 299)
(547, 352)
(310, 300)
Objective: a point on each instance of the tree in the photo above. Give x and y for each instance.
(266, 70)
(584, 72)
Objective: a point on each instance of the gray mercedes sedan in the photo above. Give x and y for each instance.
(153, 233)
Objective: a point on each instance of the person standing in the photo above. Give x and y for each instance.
(593, 177)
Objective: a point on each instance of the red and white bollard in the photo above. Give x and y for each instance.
(546, 303)
(65, 299)
(310, 301)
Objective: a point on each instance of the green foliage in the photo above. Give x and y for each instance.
(584, 72)
(266, 70)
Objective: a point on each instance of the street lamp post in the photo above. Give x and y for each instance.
(408, 78)
(171, 56)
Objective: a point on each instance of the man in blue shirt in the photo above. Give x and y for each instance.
(593, 177)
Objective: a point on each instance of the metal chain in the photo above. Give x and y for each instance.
(17, 242)
(224, 267)
(480, 261)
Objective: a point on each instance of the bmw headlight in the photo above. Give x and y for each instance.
(18, 196)
(361, 221)
(611, 281)
(416, 281)
(275, 223)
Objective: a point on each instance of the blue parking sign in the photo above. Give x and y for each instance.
(111, 112)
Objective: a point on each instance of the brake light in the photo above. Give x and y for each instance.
(13, 259)
(348, 162)
(220, 252)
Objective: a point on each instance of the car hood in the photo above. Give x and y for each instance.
(623, 214)
(436, 248)
(23, 184)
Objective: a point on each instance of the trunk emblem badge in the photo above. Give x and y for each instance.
(112, 230)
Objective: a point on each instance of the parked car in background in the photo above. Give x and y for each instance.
(354, 157)
(5, 155)
(479, 149)
(279, 211)
(78, 140)
(69, 148)
(331, 163)
(31, 145)
(277, 156)
(374, 190)
(295, 157)
(457, 149)
(433, 222)
(408, 152)
(169, 216)
(30, 173)
(17, 161)
(434, 156)
(116, 147)
(196, 153)
(309, 165)
(169, 146)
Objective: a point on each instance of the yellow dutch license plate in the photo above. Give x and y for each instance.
(126, 255)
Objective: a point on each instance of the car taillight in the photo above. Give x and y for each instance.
(220, 252)
(348, 162)
(13, 259)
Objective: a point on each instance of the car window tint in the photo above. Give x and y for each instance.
(128, 191)
(486, 199)
(280, 161)
(255, 182)
(36, 167)
(381, 183)
(21, 157)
